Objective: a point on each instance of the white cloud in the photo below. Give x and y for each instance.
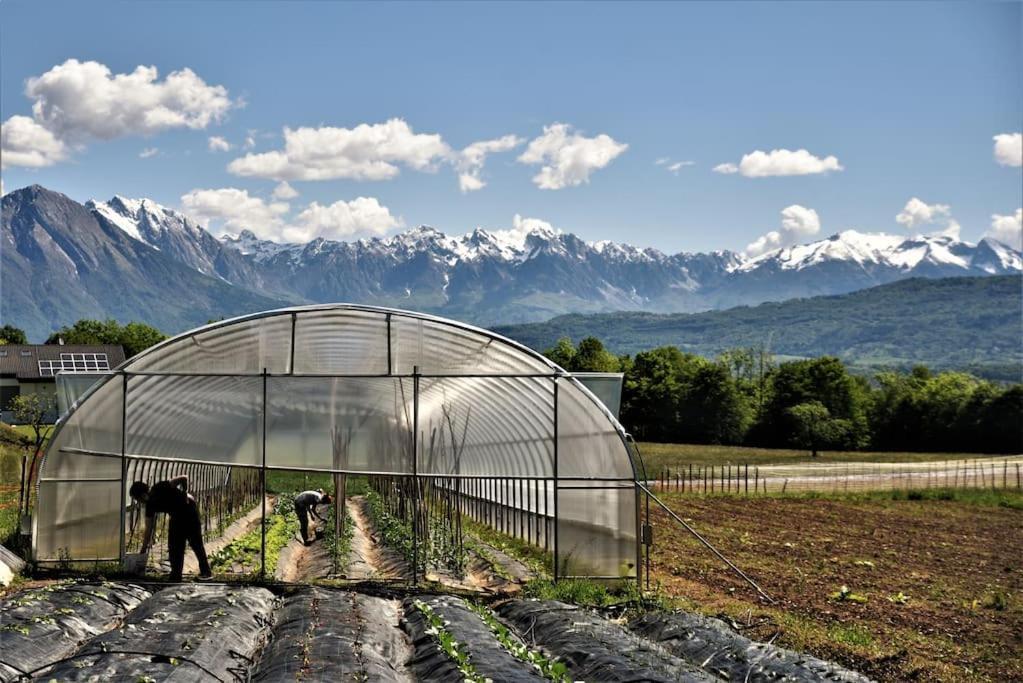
(23, 142)
(1009, 149)
(232, 210)
(250, 141)
(148, 152)
(675, 167)
(284, 191)
(568, 158)
(366, 152)
(797, 224)
(81, 100)
(1007, 229)
(780, 162)
(341, 220)
(469, 161)
(218, 144)
(918, 212)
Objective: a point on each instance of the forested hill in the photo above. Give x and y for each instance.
(968, 323)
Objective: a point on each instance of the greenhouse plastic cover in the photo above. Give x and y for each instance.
(341, 388)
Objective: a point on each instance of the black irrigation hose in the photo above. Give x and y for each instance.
(30, 674)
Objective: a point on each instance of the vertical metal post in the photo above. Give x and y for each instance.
(556, 557)
(262, 481)
(291, 357)
(389, 361)
(124, 461)
(415, 474)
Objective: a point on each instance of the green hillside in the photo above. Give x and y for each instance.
(969, 323)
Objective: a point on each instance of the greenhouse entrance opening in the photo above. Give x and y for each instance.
(429, 432)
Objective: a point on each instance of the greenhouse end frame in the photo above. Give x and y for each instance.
(269, 391)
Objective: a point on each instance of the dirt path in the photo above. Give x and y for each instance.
(369, 558)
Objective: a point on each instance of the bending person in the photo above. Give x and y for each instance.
(305, 505)
(172, 499)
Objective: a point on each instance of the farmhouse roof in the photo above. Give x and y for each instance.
(22, 360)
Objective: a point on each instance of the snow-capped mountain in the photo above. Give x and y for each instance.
(484, 276)
(533, 271)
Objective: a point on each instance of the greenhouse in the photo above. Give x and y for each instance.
(422, 407)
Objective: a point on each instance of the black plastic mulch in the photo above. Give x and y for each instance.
(324, 634)
(712, 644)
(185, 633)
(42, 625)
(486, 654)
(593, 648)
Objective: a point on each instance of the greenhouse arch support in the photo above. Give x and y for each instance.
(347, 390)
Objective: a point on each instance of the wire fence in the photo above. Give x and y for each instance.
(996, 473)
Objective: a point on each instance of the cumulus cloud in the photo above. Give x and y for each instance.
(23, 142)
(1007, 229)
(81, 100)
(148, 152)
(218, 144)
(469, 162)
(567, 158)
(230, 209)
(366, 152)
(1009, 149)
(340, 220)
(76, 102)
(284, 191)
(780, 162)
(797, 224)
(918, 212)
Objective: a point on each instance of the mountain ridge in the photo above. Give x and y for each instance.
(971, 323)
(529, 273)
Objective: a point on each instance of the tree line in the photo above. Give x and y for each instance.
(745, 397)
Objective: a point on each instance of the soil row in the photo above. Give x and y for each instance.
(124, 632)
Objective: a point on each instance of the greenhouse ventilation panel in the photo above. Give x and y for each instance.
(350, 390)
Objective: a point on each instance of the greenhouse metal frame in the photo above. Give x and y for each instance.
(348, 390)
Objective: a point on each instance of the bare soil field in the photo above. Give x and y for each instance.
(897, 589)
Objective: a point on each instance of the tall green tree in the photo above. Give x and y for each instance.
(591, 356)
(823, 380)
(9, 334)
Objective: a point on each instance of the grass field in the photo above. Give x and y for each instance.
(933, 580)
(657, 456)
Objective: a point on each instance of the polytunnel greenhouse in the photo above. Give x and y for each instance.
(409, 401)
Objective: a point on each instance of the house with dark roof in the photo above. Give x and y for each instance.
(32, 368)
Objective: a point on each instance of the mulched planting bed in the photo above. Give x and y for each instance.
(592, 647)
(42, 625)
(324, 634)
(712, 645)
(466, 631)
(185, 633)
(934, 588)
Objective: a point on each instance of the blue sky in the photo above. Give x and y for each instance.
(906, 97)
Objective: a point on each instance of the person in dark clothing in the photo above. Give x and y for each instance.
(305, 505)
(172, 499)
